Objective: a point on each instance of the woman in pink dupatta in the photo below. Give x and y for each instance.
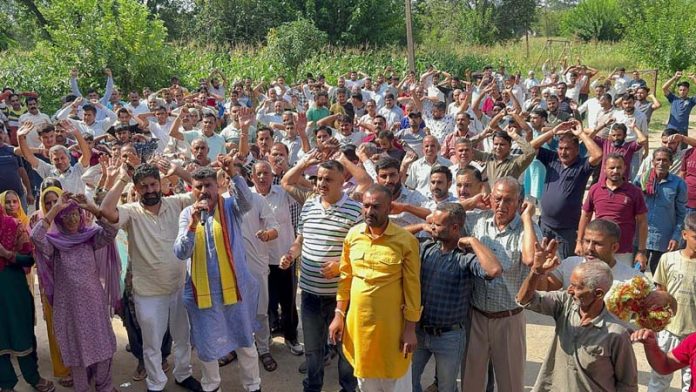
(80, 256)
(17, 308)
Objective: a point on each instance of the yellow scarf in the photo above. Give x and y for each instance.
(199, 267)
(21, 215)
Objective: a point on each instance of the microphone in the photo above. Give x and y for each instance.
(204, 213)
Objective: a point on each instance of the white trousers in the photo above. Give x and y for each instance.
(249, 367)
(262, 336)
(660, 383)
(402, 384)
(154, 314)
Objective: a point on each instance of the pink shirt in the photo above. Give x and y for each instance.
(620, 206)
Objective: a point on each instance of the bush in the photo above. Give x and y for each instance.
(595, 20)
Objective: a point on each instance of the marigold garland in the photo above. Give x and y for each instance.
(627, 299)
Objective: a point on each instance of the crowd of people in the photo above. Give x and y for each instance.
(418, 216)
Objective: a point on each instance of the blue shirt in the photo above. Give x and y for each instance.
(564, 187)
(666, 212)
(679, 111)
(447, 284)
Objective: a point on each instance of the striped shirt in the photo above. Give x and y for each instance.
(323, 231)
(498, 294)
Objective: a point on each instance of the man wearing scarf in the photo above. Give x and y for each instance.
(220, 294)
(665, 195)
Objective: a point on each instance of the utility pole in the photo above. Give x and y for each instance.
(409, 38)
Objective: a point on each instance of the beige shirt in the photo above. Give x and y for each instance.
(677, 275)
(594, 357)
(156, 270)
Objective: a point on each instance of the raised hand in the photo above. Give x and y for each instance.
(76, 103)
(247, 117)
(73, 73)
(107, 72)
(25, 128)
(301, 122)
(528, 210)
(545, 257)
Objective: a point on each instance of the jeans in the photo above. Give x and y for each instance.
(317, 314)
(448, 349)
(566, 239)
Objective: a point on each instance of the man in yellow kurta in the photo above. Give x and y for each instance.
(380, 278)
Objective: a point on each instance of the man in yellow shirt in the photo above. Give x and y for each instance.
(380, 278)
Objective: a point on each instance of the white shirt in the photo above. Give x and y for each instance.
(39, 120)
(419, 173)
(355, 138)
(593, 109)
(161, 132)
(259, 217)
(352, 83)
(438, 127)
(637, 118)
(140, 109)
(97, 128)
(409, 197)
(621, 85)
(393, 115)
(71, 180)
(574, 92)
(280, 201)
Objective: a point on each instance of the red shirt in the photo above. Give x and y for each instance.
(627, 150)
(620, 206)
(685, 353)
(688, 166)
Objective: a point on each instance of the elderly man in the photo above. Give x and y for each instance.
(498, 324)
(665, 196)
(591, 350)
(70, 176)
(282, 283)
(380, 269)
(417, 174)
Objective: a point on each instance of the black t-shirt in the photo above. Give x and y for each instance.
(9, 170)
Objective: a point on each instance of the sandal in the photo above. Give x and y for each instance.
(66, 382)
(44, 386)
(268, 362)
(227, 359)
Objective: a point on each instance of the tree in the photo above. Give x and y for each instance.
(292, 43)
(514, 18)
(661, 32)
(595, 20)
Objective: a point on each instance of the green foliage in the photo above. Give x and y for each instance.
(92, 35)
(662, 33)
(595, 20)
(481, 22)
(292, 43)
(234, 22)
(515, 17)
(550, 23)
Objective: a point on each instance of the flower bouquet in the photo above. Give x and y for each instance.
(627, 302)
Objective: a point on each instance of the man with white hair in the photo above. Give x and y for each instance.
(592, 348)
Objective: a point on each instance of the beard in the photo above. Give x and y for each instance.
(151, 199)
